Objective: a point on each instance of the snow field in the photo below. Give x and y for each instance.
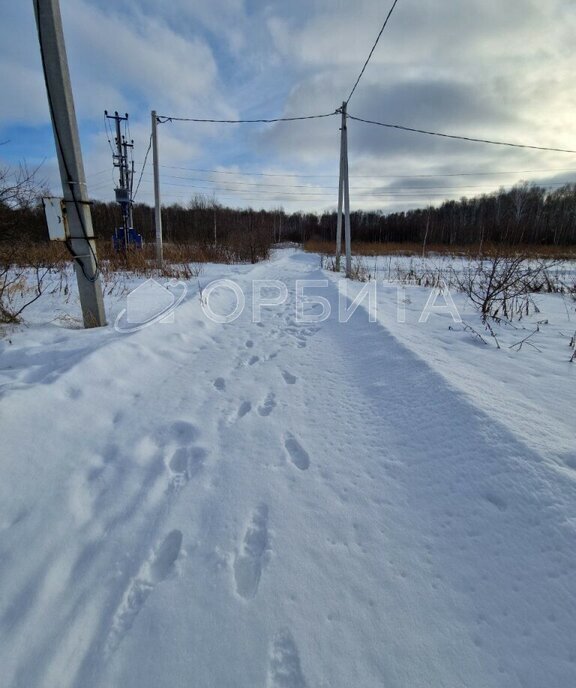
(285, 504)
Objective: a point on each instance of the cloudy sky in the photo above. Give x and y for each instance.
(481, 68)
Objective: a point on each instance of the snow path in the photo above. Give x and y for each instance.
(278, 504)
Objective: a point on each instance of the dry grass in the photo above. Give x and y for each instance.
(472, 251)
(27, 270)
(55, 255)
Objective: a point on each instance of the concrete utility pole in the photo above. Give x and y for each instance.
(339, 217)
(157, 209)
(343, 195)
(65, 126)
(124, 189)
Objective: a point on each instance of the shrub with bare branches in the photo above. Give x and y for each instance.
(501, 286)
(24, 273)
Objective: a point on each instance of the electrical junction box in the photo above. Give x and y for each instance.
(56, 220)
(122, 196)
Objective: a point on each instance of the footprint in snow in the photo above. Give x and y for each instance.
(180, 432)
(284, 670)
(249, 560)
(496, 501)
(298, 455)
(268, 406)
(154, 571)
(289, 379)
(253, 360)
(74, 393)
(220, 384)
(179, 461)
(186, 460)
(245, 407)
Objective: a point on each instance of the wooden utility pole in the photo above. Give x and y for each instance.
(343, 195)
(157, 209)
(61, 103)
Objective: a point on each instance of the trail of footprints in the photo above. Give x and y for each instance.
(184, 460)
(269, 404)
(284, 670)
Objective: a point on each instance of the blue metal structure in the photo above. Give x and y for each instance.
(124, 239)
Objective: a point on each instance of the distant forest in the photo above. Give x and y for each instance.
(524, 214)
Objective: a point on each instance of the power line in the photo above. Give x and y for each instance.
(250, 174)
(108, 133)
(97, 174)
(461, 138)
(471, 174)
(243, 200)
(143, 167)
(324, 192)
(369, 176)
(162, 119)
(373, 48)
(318, 186)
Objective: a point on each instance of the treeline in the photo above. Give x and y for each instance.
(525, 214)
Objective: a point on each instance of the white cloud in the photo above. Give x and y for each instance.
(21, 88)
(144, 59)
(501, 70)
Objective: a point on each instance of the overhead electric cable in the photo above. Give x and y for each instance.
(143, 168)
(319, 192)
(461, 138)
(162, 119)
(368, 176)
(319, 186)
(108, 133)
(373, 48)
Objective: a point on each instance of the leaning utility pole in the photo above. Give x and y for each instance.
(60, 100)
(343, 194)
(157, 209)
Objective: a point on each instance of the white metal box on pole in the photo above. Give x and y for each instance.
(56, 219)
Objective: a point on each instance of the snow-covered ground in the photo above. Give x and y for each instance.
(288, 502)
